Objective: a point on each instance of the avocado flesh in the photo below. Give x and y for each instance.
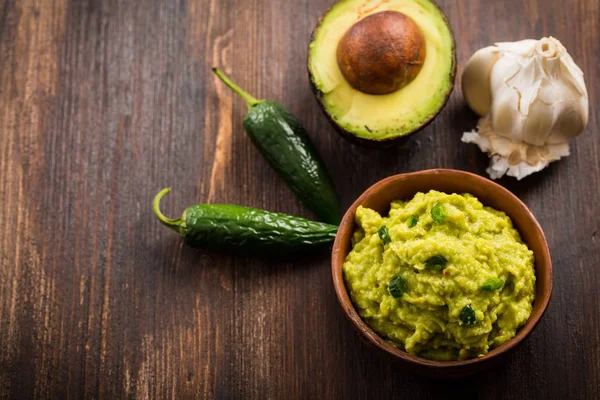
(383, 117)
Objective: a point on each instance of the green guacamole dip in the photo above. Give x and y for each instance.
(446, 279)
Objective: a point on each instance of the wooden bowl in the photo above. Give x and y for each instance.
(379, 196)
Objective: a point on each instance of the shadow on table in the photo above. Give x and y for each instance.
(182, 260)
(530, 182)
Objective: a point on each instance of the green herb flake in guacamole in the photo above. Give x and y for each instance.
(453, 310)
(412, 221)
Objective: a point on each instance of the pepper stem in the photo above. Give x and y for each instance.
(174, 224)
(248, 98)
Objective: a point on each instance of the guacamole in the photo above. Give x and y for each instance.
(442, 277)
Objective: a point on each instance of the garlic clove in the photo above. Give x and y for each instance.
(568, 124)
(476, 78)
(506, 118)
(574, 75)
(539, 122)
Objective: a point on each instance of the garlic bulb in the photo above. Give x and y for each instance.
(532, 100)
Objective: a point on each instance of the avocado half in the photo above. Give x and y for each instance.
(361, 64)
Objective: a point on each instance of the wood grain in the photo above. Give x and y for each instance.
(103, 103)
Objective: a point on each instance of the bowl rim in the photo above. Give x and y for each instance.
(378, 341)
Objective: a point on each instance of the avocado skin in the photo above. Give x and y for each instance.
(249, 231)
(390, 142)
(283, 141)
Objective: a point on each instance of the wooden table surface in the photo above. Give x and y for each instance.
(103, 103)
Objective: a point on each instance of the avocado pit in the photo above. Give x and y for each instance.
(381, 53)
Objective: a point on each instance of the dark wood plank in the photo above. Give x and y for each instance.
(103, 103)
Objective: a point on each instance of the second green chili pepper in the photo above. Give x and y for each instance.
(286, 146)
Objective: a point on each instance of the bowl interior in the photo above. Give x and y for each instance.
(405, 186)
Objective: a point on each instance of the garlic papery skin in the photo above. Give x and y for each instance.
(532, 100)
